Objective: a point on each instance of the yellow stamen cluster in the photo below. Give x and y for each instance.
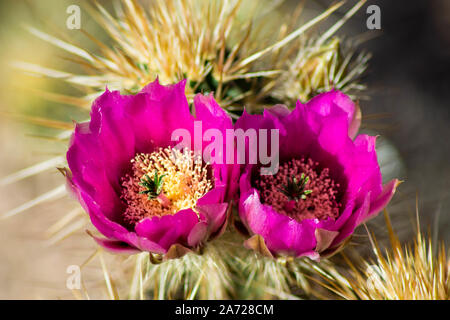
(186, 179)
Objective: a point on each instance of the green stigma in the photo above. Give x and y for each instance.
(153, 187)
(294, 189)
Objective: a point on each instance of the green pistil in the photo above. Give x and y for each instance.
(295, 190)
(153, 186)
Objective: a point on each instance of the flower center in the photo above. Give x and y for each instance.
(300, 190)
(162, 183)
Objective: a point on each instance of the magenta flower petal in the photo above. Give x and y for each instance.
(115, 246)
(352, 222)
(155, 113)
(210, 113)
(198, 233)
(87, 172)
(281, 234)
(335, 101)
(108, 158)
(343, 177)
(168, 230)
(215, 214)
(214, 117)
(383, 199)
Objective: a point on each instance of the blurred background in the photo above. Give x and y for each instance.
(409, 83)
(409, 89)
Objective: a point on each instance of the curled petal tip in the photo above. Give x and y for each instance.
(324, 239)
(258, 244)
(176, 251)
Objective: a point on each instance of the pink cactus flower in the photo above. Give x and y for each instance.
(327, 184)
(141, 192)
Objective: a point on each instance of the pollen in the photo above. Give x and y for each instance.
(184, 177)
(319, 199)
